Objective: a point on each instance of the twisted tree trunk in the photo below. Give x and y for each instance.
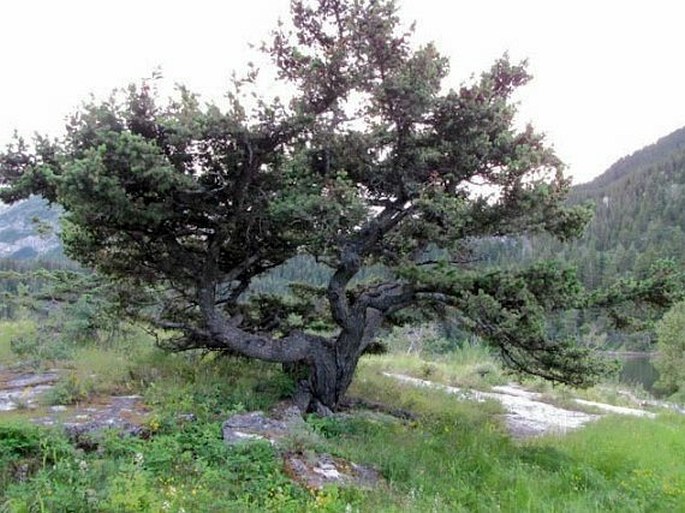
(329, 372)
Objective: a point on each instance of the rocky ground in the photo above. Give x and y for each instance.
(281, 427)
(22, 390)
(527, 415)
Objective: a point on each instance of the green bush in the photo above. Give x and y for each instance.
(41, 347)
(71, 389)
(670, 362)
(25, 449)
(18, 440)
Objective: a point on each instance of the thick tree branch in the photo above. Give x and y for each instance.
(351, 256)
(220, 333)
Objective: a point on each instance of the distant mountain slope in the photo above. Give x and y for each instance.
(640, 200)
(639, 216)
(647, 157)
(22, 234)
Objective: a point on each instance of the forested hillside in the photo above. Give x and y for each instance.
(639, 217)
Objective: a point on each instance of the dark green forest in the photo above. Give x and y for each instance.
(639, 217)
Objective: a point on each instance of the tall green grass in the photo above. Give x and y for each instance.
(10, 330)
(457, 457)
(470, 366)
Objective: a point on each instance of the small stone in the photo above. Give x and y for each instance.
(187, 417)
(253, 423)
(238, 437)
(319, 470)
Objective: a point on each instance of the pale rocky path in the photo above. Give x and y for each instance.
(23, 390)
(527, 414)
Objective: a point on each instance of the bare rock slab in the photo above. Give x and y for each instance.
(527, 414)
(318, 470)
(258, 426)
(23, 389)
(83, 423)
(310, 469)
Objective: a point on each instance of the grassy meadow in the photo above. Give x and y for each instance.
(456, 456)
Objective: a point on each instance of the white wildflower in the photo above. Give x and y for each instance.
(138, 459)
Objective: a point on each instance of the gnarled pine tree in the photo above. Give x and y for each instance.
(370, 162)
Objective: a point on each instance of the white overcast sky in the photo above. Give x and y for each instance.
(609, 75)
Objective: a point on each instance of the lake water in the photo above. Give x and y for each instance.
(639, 370)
